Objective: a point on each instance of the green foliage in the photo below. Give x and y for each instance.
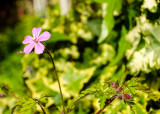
(123, 46)
(58, 37)
(97, 41)
(94, 26)
(25, 106)
(108, 21)
(29, 105)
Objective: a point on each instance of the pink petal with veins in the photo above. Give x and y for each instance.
(28, 40)
(44, 36)
(39, 48)
(28, 48)
(36, 32)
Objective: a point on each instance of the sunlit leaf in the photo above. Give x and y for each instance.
(123, 45)
(58, 37)
(108, 21)
(95, 26)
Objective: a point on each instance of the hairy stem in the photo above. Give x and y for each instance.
(107, 102)
(54, 67)
(41, 108)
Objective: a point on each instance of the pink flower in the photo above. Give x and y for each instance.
(34, 42)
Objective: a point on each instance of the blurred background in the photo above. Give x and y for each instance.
(92, 41)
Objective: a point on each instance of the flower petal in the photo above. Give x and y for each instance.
(28, 48)
(36, 32)
(39, 48)
(44, 36)
(27, 40)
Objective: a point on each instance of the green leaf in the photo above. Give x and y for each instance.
(43, 100)
(47, 95)
(102, 100)
(106, 27)
(11, 74)
(105, 86)
(29, 105)
(139, 110)
(120, 74)
(100, 1)
(110, 91)
(95, 89)
(147, 58)
(13, 109)
(95, 26)
(76, 77)
(123, 45)
(151, 5)
(40, 86)
(156, 33)
(108, 21)
(58, 37)
(25, 106)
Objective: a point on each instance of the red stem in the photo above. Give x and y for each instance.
(107, 102)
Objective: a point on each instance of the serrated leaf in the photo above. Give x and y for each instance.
(105, 86)
(43, 100)
(102, 100)
(87, 92)
(14, 108)
(48, 95)
(30, 106)
(130, 102)
(110, 91)
(69, 109)
(102, 103)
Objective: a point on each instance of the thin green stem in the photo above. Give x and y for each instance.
(54, 67)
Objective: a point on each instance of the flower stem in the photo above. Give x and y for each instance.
(107, 102)
(41, 108)
(54, 67)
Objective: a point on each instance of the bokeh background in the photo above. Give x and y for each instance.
(92, 41)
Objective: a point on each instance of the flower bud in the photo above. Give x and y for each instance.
(2, 95)
(127, 96)
(120, 89)
(114, 85)
(119, 96)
